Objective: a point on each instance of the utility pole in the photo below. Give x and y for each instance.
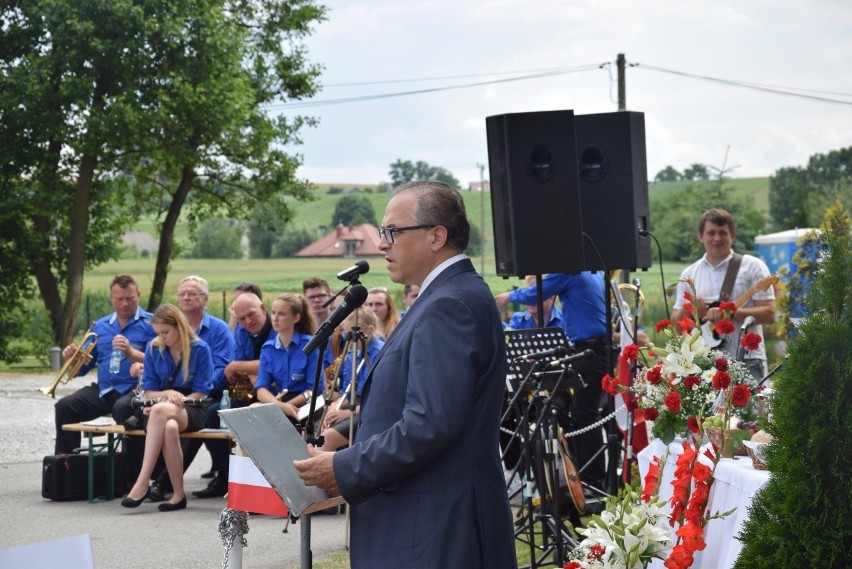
(482, 218)
(622, 89)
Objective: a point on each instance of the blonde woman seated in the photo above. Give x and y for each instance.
(286, 375)
(382, 305)
(339, 416)
(178, 371)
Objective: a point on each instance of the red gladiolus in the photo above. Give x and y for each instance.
(728, 306)
(654, 375)
(751, 341)
(693, 537)
(724, 327)
(691, 381)
(630, 353)
(702, 473)
(608, 384)
(687, 295)
(692, 424)
(672, 401)
(686, 324)
(651, 414)
(721, 380)
(687, 307)
(662, 325)
(679, 558)
(652, 479)
(740, 396)
(722, 364)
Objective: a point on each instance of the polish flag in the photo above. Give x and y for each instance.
(249, 491)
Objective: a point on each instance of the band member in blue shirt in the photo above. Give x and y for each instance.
(286, 374)
(179, 372)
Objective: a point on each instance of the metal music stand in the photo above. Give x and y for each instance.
(537, 439)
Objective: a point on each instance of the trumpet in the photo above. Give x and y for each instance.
(81, 356)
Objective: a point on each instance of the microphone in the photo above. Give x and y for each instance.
(354, 298)
(353, 272)
(556, 352)
(748, 323)
(570, 359)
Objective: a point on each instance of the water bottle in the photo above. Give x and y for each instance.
(115, 361)
(224, 404)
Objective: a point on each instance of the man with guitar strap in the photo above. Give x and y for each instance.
(722, 275)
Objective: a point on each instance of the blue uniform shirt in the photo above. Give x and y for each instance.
(159, 367)
(243, 347)
(582, 299)
(373, 349)
(216, 333)
(286, 367)
(138, 332)
(524, 320)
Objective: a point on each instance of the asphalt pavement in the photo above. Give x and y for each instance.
(127, 538)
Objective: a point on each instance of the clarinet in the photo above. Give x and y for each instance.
(141, 403)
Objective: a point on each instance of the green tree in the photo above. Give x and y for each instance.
(109, 110)
(218, 239)
(353, 210)
(801, 518)
(668, 174)
(292, 241)
(696, 172)
(403, 171)
(474, 246)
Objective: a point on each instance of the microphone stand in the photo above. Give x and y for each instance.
(628, 451)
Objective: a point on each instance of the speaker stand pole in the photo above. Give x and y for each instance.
(306, 556)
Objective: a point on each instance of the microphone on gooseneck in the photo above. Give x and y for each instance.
(748, 323)
(354, 298)
(355, 271)
(585, 354)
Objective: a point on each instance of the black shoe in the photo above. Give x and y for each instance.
(217, 488)
(158, 491)
(169, 507)
(129, 502)
(209, 474)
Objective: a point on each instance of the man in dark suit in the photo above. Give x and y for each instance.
(424, 479)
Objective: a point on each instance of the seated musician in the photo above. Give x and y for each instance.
(286, 375)
(339, 413)
(178, 371)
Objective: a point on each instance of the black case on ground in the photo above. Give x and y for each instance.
(65, 477)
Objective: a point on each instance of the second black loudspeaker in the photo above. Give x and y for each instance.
(613, 175)
(535, 203)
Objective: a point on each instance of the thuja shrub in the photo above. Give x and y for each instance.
(802, 517)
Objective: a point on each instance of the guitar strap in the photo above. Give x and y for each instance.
(730, 277)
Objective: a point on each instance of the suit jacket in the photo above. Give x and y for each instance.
(424, 478)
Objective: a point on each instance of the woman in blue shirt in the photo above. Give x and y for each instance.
(286, 374)
(339, 416)
(178, 371)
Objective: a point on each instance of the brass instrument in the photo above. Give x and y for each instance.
(629, 290)
(80, 357)
(242, 389)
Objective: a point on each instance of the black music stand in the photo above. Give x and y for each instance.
(538, 458)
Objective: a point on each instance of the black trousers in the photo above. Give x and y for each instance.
(84, 404)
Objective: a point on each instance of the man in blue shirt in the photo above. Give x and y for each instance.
(584, 322)
(126, 331)
(526, 319)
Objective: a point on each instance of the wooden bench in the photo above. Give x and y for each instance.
(114, 434)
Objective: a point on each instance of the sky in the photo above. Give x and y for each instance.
(372, 48)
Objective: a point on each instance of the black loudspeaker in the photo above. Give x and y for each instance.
(613, 190)
(535, 198)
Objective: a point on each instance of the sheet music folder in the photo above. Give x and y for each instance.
(273, 443)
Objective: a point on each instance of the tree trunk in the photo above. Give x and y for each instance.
(167, 233)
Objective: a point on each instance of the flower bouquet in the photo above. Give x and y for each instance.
(628, 534)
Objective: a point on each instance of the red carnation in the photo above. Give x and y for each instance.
(572, 565)
(724, 327)
(608, 384)
(740, 396)
(691, 381)
(654, 375)
(751, 341)
(630, 353)
(651, 414)
(672, 401)
(692, 424)
(662, 325)
(596, 552)
(722, 364)
(728, 306)
(721, 380)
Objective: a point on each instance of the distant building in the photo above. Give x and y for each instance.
(346, 241)
(479, 186)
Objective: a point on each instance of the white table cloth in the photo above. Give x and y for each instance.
(736, 482)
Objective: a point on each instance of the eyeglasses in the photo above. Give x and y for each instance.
(317, 297)
(189, 294)
(386, 233)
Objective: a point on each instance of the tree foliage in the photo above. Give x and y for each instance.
(109, 110)
(403, 171)
(800, 519)
(696, 172)
(219, 239)
(668, 174)
(353, 210)
(799, 197)
(292, 241)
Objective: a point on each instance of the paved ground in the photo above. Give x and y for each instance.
(123, 538)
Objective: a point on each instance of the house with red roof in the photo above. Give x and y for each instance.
(347, 242)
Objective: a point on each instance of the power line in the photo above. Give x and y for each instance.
(755, 86)
(438, 78)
